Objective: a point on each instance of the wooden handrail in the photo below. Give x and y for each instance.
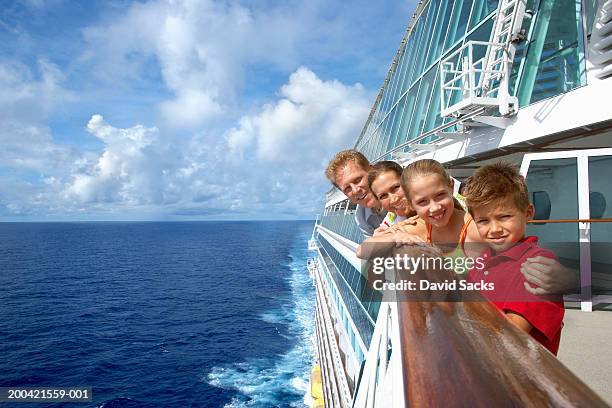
(568, 221)
(467, 354)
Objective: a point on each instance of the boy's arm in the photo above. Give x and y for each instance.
(519, 321)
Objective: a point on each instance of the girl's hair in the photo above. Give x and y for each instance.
(380, 168)
(423, 168)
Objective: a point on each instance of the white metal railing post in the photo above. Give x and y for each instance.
(472, 69)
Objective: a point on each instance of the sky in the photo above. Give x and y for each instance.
(182, 109)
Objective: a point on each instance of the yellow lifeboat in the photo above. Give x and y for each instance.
(316, 387)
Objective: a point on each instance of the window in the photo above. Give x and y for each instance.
(541, 202)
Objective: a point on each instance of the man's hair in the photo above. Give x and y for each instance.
(383, 167)
(496, 182)
(341, 159)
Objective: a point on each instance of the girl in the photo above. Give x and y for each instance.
(429, 190)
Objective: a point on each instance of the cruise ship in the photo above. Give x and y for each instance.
(473, 82)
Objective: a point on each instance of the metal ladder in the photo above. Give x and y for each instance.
(500, 54)
(483, 83)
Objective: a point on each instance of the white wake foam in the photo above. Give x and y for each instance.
(284, 379)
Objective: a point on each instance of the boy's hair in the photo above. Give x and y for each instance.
(383, 167)
(421, 168)
(341, 159)
(496, 182)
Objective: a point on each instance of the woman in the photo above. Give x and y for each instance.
(384, 180)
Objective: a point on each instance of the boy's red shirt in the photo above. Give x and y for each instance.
(509, 295)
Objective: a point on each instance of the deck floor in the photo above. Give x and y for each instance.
(586, 348)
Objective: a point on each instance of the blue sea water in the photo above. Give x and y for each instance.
(189, 314)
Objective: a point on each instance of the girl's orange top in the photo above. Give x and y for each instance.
(458, 251)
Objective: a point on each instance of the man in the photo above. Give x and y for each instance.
(348, 171)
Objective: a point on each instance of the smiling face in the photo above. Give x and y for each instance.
(352, 180)
(501, 224)
(390, 194)
(432, 199)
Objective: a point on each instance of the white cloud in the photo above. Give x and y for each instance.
(266, 163)
(27, 99)
(30, 97)
(202, 48)
(290, 141)
(132, 169)
(313, 119)
(271, 163)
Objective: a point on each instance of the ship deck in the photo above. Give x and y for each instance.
(585, 348)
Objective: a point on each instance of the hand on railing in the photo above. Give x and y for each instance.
(548, 276)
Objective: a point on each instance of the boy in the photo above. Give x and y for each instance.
(497, 199)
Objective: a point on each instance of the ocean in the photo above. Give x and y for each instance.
(158, 314)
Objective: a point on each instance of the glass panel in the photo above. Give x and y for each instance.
(600, 195)
(541, 202)
(482, 8)
(377, 144)
(555, 60)
(410, 98)
(459, 22)
(399, 118)
(385, 104)
(356, 309)
(410, 73)
(463, 20)
(433, 31)
(391, 94)
(437, 38)
(418, 117)
(386, 128)
(386, 139)
(521, 51)
(433, 111)
(559, 179)
(454, 96)
(412, 47)
(397, 79)
(419, 60)
(482, 33)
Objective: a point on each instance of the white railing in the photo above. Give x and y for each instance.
(382, 381)
(332, 355)
(312, 264)
(313, 245)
